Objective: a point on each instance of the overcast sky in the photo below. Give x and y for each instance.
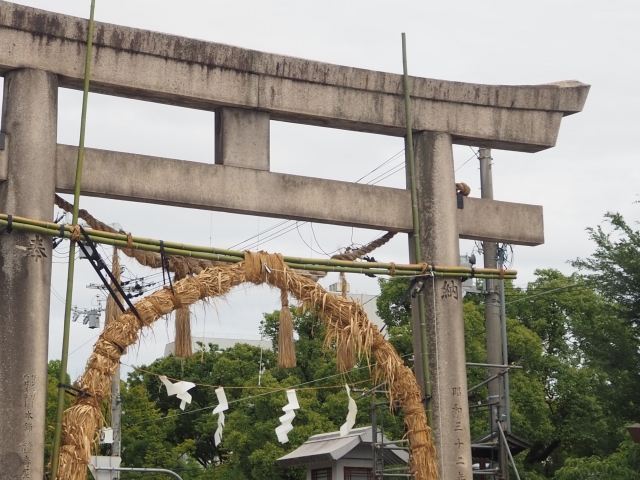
(592, 169)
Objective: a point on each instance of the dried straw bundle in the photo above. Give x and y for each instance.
(286, 342)
(83, 418)
(112, 311)
(183, 347)
(345, 348)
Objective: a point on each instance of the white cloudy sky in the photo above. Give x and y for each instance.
(591, 171)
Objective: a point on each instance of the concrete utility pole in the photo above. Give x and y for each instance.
(29, 118)
(492, 311)
(115, 417)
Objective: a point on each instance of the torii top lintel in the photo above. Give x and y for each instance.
(164, 68)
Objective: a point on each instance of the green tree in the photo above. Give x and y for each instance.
(614, 271)
(53, 377)
(156, 434)
(624, 464)
(557, 400)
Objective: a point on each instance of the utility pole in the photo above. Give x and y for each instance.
(115, 417)
(492, 311)
(111, 313)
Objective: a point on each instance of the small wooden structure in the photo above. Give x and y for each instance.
(328, 456)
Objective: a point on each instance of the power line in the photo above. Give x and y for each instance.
(261, 233)
(286, 223)
(401, 167)
(316, 239)
(475, 155)
(91, 339)
(376, 179)
(528, 297)
(379, 166)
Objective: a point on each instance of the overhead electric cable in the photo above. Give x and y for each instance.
(286, 223)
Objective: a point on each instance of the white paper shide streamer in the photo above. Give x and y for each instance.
(223, 406)
(289, 414)
(351, 415)
(178, 389)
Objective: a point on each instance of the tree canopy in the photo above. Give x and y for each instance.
(577, 337)
(157, 434)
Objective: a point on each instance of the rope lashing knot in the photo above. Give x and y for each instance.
(76, 233)
(393, 269)
(502, 272)
(463, 188)
(378, 342)
(175, 299)
(263, 267)
(424, 267)
(129, 240)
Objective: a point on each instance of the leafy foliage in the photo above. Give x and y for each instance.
(576, 336)
(155, 434)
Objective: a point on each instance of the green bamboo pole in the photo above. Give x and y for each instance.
(120, 241)
(72, 251)
(416, 230)
(227, 255)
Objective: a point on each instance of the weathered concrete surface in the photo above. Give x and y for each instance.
(485, 219)
(140, 178)
(443, 300)
(29, 115)
(192, 73)
(231, 189)
(242, 138)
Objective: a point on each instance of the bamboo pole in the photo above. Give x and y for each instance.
(224, 254)
(119, 240)
(416, 230)
(72, 251)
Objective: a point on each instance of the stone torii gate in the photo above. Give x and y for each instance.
(42, 51)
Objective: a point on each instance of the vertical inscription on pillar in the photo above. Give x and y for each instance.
(457, 428)
(26, 446)
(449, 290)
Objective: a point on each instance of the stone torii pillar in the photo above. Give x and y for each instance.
(29, 118)
(439, 244)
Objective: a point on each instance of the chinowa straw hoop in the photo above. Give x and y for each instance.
(82, 420)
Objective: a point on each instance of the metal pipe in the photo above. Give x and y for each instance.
(416, 230)
(489, 365)
(490, 379)
(72, 251)
(143, 470)
(504, 439)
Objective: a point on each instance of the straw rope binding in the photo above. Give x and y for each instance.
(82, 420)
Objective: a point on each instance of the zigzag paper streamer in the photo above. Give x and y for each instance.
(351, 415)
(223, 405)
(178, 389)
(287, 418)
